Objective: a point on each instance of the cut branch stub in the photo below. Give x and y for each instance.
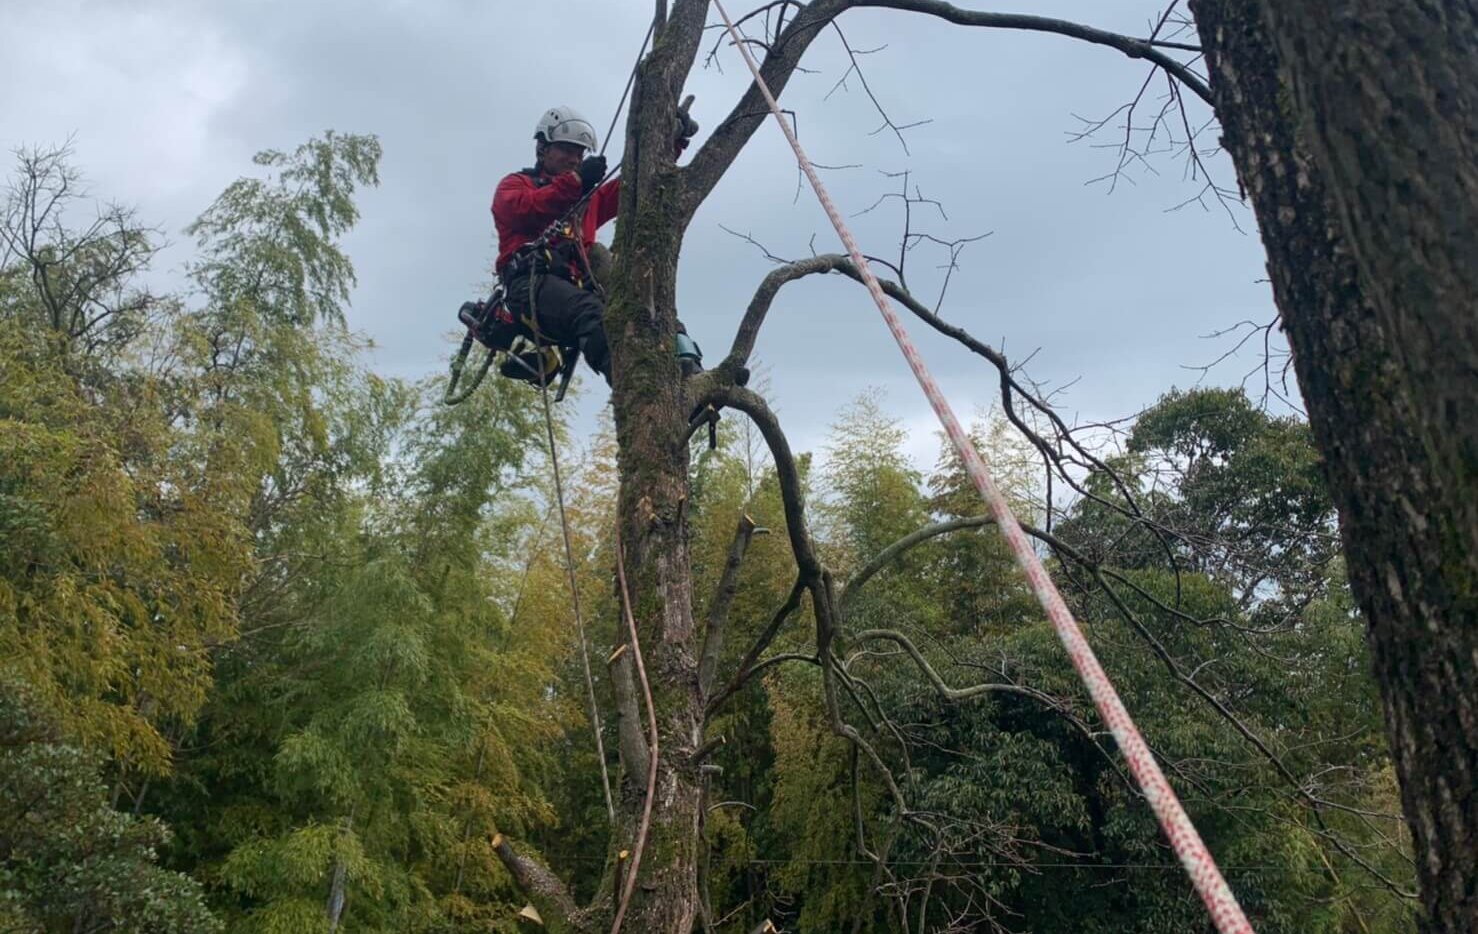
(551, 899)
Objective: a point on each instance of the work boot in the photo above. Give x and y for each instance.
(524, 365)
(598, 354)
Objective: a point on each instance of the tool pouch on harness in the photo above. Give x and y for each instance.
(490, 322)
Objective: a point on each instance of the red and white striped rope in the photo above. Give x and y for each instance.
(1187, 843)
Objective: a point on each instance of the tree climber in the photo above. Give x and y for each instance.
(568, 309)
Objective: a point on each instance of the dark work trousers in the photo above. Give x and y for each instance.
(567, 316)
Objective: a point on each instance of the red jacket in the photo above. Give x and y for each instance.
(525, 204)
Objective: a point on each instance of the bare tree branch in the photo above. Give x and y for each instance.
(935, 681)
(856, 68)
(812, 574)
(1067, 455)
(1134, 48)
(749, 666)
(898, 548)
(786, 50)
(722, 147)
(718, 608)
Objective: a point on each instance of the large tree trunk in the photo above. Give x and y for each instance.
(651, 417)
(652, 404)
(1352, 127)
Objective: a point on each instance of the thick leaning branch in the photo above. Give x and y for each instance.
(935, 680)
(896, 550)
(764, 297)
(812, 575)
(916, 538)
(786, 472)
(792, 495)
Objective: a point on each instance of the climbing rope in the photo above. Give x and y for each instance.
(564, 525)
(652, 748)
(1226, 913)
(635, 67)
(641, 671)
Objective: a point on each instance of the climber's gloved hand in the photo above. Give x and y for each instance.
(592, 170)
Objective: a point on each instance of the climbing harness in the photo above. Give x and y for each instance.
(523, 357)
(491, 323)
(526, 355)
(1226, 913)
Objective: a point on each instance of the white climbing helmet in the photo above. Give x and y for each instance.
(565, 125)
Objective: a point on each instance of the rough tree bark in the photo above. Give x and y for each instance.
(653, 461)
(1351, 124)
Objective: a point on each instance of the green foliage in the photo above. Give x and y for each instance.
(268, 593)
(876, 489)
(318, 625)
(270, 243)
(122, 560)
(1238, 494)
(68, 860)
(1022, 796)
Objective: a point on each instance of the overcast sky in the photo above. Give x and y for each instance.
(168, 100)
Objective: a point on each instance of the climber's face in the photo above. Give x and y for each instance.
(562, 157)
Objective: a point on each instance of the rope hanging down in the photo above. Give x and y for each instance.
(1226, 913)
(629, 885)
(564, 525)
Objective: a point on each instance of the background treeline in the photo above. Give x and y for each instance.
(282, 643)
